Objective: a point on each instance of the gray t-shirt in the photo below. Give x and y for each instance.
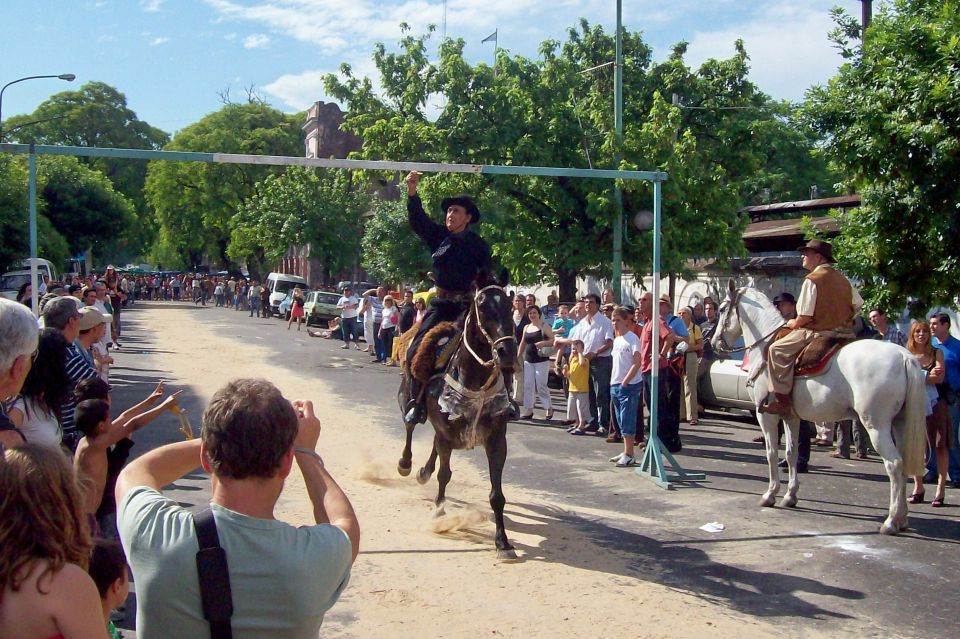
(283, 579)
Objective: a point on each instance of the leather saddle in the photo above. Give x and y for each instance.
(815, 356)
(434, 351)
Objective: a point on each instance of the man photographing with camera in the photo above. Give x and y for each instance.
(278, 580)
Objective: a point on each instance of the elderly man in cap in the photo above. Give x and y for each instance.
(63, 315)
(458, 254)
(827, 305)
(18, 344)
(93, 327)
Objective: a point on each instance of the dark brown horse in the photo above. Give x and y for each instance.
(472, 406)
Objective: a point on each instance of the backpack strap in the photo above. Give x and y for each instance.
(215, 592)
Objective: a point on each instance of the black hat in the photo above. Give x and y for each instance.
(466, 202)
(818, 246)
(784, 297)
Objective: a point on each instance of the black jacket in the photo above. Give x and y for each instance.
(457, 258)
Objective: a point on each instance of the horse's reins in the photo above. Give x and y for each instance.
(723, 347)
(495, 381)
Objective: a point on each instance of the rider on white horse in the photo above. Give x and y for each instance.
(459, 255)
(827, 306)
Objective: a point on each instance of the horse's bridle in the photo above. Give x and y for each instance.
(722, 346)
(475, 313)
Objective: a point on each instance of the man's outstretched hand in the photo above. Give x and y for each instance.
(308, 426)
(413, 178)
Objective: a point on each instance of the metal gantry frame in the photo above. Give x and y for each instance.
(652, 465)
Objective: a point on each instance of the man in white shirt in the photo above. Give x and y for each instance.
(596, 333)
(349, 305)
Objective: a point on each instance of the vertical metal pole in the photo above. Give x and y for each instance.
(655, 316)
(866, 15)
(617, 274)
(34, 288)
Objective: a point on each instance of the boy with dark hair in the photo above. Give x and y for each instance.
(91, 459)
(109, 571)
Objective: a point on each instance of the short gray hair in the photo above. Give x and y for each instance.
(18, 332)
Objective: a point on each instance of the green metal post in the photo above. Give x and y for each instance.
(617, 274)
(32, 190)
(652, 466)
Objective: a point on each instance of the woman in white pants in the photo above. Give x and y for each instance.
(536, 367)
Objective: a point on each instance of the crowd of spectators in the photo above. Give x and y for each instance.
(69, 495)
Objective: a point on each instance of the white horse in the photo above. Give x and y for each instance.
(880, 383)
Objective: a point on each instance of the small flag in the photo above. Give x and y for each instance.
(492, 36)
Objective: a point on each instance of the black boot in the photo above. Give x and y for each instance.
(416, 412)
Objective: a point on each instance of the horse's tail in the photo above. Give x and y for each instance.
(913, 439)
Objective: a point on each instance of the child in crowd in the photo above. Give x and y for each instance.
(97, 465)
(109, 571)
(561, 328)
(577, 372)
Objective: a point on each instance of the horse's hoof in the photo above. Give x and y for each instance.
(788, 502)
(887, 529)
(439, 512)
(767, 501)
(403, 467)
(506, 554)
(902, 524)
(422, 476)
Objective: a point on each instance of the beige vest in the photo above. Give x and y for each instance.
(834, 308)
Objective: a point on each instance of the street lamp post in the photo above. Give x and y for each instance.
(34, 288)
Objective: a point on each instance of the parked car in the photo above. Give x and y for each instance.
(280, 286)
(358, 287)
(283, 310)
(320, 306)
(724, 384)
(11, 282)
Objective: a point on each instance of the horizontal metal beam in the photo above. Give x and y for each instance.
(330, 163)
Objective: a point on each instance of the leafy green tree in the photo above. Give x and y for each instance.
(389, 254)
(195, 202)
(97, 115)
(77, 209)
(891, 121)
(300, 207)
(546, 112)
(83, 206)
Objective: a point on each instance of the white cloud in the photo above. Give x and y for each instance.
(256, 41)
(298, 90)
(158, 41)
(151, 6)
(787, 44)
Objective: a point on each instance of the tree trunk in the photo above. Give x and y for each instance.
(567, 282)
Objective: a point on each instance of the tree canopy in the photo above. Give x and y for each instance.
(300, 207)
(195, 202)
(734, 143)
(97, 115)
(891, 122)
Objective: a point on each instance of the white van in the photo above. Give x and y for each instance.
(281, 284)
(11, 281)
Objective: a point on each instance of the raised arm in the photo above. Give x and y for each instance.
(330, 504)
(137, 422)
(428, 230)
(159, 467)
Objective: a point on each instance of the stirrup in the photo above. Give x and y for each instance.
(415, 414)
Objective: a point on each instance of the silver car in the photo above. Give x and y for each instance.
(723, 382)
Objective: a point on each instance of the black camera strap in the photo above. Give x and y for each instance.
(215, 592)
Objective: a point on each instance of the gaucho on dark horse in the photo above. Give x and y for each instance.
(466, 396)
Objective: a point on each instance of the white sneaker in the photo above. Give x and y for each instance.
(616, 458)
(625, 461)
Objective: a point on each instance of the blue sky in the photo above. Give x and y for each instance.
(173, 57)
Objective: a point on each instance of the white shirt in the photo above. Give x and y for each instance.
(624, 347)
(344, 301)
(594, 333)
(808, 295)
(39, 426)
(390, 317)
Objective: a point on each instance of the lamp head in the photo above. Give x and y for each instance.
(69, 77)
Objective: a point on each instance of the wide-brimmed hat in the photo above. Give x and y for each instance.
(818, 246)
(784, 297)
(466, 202)
(665, 299)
